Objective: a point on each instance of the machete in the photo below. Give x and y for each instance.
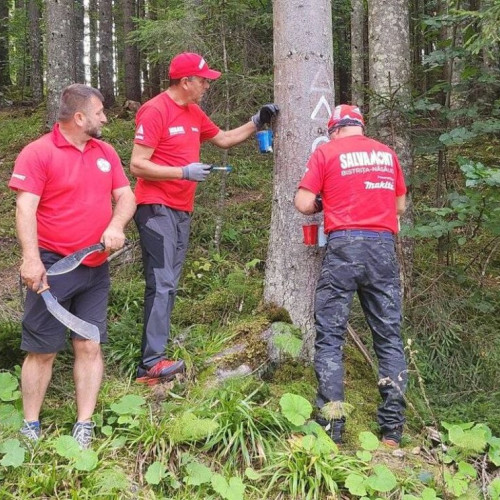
(77, 325)
(72, 261)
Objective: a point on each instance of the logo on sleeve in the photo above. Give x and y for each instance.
(19, 176)
(103, 165)
(139, 133)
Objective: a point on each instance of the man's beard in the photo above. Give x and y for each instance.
(95, 132)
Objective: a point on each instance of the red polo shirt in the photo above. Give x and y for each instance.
(359, 179)
(176, 133)
(75, 190)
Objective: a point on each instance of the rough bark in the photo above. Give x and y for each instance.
(358, 19)
(106, 53)
(4, 45)
(78, 36)
(131, 54)
(154, 67)
(304, 87)
(389, 59)
(94, 48)
(36, 51)
(60, 60)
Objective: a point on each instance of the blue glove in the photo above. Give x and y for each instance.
(196, 172)
(265, 114)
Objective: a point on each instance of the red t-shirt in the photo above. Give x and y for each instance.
(359, 179)
(75, 191)
(176, 133)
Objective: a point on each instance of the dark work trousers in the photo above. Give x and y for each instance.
(164, 235)
(368, 266)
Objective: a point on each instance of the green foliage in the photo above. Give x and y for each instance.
(190, 428)
(13, 453)
(295, 408)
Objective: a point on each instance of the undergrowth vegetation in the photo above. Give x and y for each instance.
(207, 436)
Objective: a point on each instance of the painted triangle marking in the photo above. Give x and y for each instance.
(323, 103)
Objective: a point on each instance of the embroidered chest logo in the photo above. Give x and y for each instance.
(176, 130)
(103, 165)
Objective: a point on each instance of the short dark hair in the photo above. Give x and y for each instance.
(172, 82)
(75, 98)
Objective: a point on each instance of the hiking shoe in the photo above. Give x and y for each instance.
(392, 437)
(334, 428)
(82, 432)
(163, 371)
(31, 431)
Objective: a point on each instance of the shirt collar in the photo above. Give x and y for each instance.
(61, 142)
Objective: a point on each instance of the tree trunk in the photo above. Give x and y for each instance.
(78, 37)
(389, 56)
(60, 60)
(93, 42)
(5, 80)
(131, 54)
(303, 76)
(36, 51)
(106, 52)
(358, 20)
(154, 66)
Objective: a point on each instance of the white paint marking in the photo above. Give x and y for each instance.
(322, 103)
(321, 82)
(318, 141)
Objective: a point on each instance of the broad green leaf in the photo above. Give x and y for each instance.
(197, 474)
(108, 481)
(308, 442)
(155, 473)
(13, 453)
(410, 497)
(429, 494)
(232, 490)
(356, 484)
(118, 442)
(471, 440)
(295, 408)
(467, 470)
(494, 489)
(8, 386)
(107, 430)
(131, 404)
(252, 474)
(364, 455)
(454, 484)
(10, 416)
(86, 461)
(383, 480)
(67, 447)
(368, 441)
(494, 456)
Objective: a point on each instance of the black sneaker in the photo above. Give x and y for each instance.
(334, 428)
(392, 437)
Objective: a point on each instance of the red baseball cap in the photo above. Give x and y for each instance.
(345, 115)
(190, 64)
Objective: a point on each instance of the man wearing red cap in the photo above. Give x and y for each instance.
(166, 161)
(362, 191)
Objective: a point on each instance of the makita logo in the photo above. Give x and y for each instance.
(379, 185)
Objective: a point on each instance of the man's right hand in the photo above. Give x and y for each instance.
(33, 273)
(196, 172)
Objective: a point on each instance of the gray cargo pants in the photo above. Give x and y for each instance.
(164, 236)
(363, 262)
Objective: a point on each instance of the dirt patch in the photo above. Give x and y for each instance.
(244, 197)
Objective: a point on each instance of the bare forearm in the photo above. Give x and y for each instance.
(229, 138)
(149, 171)
(27, 233)
(124, 210)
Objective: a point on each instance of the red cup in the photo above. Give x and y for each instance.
(310, 234)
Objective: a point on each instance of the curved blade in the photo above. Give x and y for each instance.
(79, 326)
(72, 261)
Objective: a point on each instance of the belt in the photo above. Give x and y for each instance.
(362, 233)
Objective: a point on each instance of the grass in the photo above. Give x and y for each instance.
(230, 427)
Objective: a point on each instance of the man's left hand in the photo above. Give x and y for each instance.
(265, 115)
